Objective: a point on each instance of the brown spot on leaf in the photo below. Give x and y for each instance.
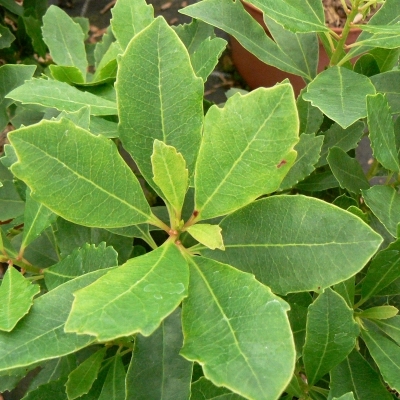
(281, 164)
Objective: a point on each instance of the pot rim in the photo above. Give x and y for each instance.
(334, 29)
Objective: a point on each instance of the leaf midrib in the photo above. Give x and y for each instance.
(227, 320)
(83, 178)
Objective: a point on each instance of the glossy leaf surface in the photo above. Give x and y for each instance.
(340, 94)
(239, 327)
(81, 379)
(305, 16)
(60, 95)
(331, 334)
(170, 174)
(114, 385)
(263, 126)
(65, 39)
(384, 202)
(209, 235)
(232, 18)
(391, 327)
(32, 340)
(83, 260)
(157, 371)
(159, 97)
(347, 170)
(385, 352)
(203, 389)
(299, 244)
(356, 375)
(37, 218)
(88, 180)
(384, 269)
(129, 18)
(345, 139)
(381, 132)
(11, 76)
(388, 83)
(135, 297)
(17, 295)
(308, 151)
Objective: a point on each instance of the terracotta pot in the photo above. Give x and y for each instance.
(257, 74)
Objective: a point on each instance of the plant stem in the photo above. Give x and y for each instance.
(372, 171)
(158, 223)
(346, 30)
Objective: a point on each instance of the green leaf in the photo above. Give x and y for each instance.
(40, 335)
(102, 47)
(204, 49)
(53, 370)
(81, 379)
(37, 218)
(366, 65)
(340, 94)
(12, 6)
(70, 75)
(206, 57)
(84, 260)
(136, 297)
(6, 37)
(87, 180)
(70, 236)
(347, 290)
(391, 327)
(130, 18)
(347, 171)
(42, 252)
(170, 174)
(296, 243)
(356, 375)
(317, 182)
(80, 117)
(381, 132)
(386, 58)
(209, 235)
(308, 151)
(11, 76)
(114, 385)
(11, 204)
(54, 390)
(346, 139)
(387, 15)
(302, 49)
(389, 84)
(60, 95)
(64, 39)
(203, 389)
(347, 396)
(385, 352)
(263, 125)
(298, 318)
(157, 371)
(305, 16)
(33, 27)
(159, 97)
(227, 328)
(310, 117)
(380, 38)
(17, 295)
(384, 202)
(101, 126)
(383, 270)
(331, 334)
(380, 312)
(232, 18)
